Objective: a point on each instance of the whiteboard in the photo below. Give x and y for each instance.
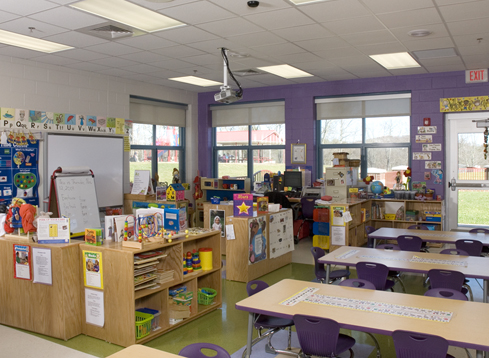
(77, 200)
(104, 155)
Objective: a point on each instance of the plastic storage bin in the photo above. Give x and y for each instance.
(156, 317)
(321, 241)
(143, 324)
(321, 215)
(206, 296)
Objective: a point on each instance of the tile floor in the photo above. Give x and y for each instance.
(227, 327)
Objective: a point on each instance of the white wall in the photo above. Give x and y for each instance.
(38, 86)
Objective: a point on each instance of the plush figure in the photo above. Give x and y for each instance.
(28, 213)
(7, 227)
(176, 176)
(16, 221)
(41, 214)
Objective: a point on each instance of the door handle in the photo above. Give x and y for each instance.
(452, 184)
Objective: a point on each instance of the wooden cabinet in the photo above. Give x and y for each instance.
(121, 300)
(228, 211)
(224, 188)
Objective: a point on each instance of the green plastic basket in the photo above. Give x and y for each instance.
(206, 298)
(143, 324)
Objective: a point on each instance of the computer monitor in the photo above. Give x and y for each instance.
(293, 179)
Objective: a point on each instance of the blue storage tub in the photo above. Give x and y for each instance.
(320, 228)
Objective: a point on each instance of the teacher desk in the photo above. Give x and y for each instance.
(408, 261)
(466, 328)
(445, 237)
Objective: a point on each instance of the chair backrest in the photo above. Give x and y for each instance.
(409, 243)
(479, 230)
(308, 207)
(369, 229)
(446, 279)
(418, 227)
(319, 270)
(358, 283)
(277, 197)
(317, 336)
(412, 344)
(446, 293)
(374, 272)
(454, 252)
(472, 247)
(255, 286)
(195, 351)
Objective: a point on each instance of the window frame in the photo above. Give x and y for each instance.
(154, 150)
(248, 148)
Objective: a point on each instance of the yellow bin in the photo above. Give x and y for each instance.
(205, 255)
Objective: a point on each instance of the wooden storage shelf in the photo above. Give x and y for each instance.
(121, 301)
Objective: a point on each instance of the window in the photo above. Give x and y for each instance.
(157, 138)
(374, 129)
(249, 139)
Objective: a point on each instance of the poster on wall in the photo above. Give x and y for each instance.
(338, 219)
(41, 266)
(432, 165)
(281, 233)
(424, 138)
(92, 270)
(421, 156)
(257, 239)
(427, 130)
(431, 147)
(22, 262)
(217, 218)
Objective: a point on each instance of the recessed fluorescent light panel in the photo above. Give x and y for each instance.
(301, 2)
(128, 13)
(197, 81)
(285, 71)
(395, 61)
(31, 43)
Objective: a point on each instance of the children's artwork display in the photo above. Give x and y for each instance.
(19, 174)
(92, 271)
(281, 233)
(217, 218)
(258, 239)
(22, 262)
(53, 230)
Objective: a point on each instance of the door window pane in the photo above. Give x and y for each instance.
(384, 163)
(232, 136)
(167, 136)
(341, 131)
(141, 134)
(167, 161)
(267, 161)
(139, 160)
(472, 207)
(471, 162)
(268, 134)
(232, 162)
(387, 129)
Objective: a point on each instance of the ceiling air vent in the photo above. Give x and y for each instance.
(248, 72)
(111, 31)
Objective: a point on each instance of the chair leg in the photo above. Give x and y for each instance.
(468, 353)
(351, 353)
(471, 296)
(376, 344)
(259, 338)
(398, 279)
(269, 348)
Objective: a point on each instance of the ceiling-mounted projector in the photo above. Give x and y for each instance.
(227, 94)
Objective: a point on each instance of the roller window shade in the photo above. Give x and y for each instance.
(145, 112)
(248, 114)
(363, 107)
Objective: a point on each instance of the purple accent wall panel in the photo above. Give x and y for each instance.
(426, 90)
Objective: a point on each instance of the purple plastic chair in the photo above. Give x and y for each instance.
(388, 247)
(479, 230)
(321, 337)
(419, 345)
(446, 293)
(195, 351)
(466, 287)
(269, 323)
(320, 271)
(472, 247)
(409, 243)
(454, 280)
(375, 273)
(368, 230)
(394, 275)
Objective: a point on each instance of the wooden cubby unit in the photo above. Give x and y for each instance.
(121, 300)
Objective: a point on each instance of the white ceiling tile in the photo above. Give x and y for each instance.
(19, 52)
(141, 68)
(252, 62)
(280, 19)
(412, 18)
(447, 68)
(450, 2)
(147, 42)
(160, 5)
(382, 6)
(408, 71)
(82, 55)
(322, 44)
(478, 40)
(443, 61)
(340, 76)
(178, 51)
(204, 59)
(113, 49)
(476, 61)
(279, 49)
(86, 66)
(334, 10)
(241, 8)
(42, 29)
(260, 38)
(474, 50)
(198, 13)
(466, 11)
(354, 25)
(171, 64)
(114, 62)
(186, 35)
(297, 58)
(230, 27)
(68, 17)
(112, 71)
(427, 43)
(370, 37)
(213, 46)
(319, 67)
(438, 30)
(361, 72)
(377, 49)
(6, 16)
(143, 57)
(306, 32)
(467, 27)
(24, 9)
(339, 52)
(55, 60)
(355, 62)
(75, 39)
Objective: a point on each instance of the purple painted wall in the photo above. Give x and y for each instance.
(426, 90)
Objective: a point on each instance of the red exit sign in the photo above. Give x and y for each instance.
(474, 76)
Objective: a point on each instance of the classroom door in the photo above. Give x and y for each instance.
(467, 193)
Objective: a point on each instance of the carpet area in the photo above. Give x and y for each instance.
(279, 341)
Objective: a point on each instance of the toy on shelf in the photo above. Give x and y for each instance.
(175, 192)
(176, 176)
(196, 261)
(20, 216)
(188, 262)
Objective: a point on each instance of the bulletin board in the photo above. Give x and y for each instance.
(104, 155)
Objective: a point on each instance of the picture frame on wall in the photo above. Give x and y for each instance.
(298, 153)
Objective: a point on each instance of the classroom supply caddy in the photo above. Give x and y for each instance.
(206, 296)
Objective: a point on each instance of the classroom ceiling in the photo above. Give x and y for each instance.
(332, 40)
